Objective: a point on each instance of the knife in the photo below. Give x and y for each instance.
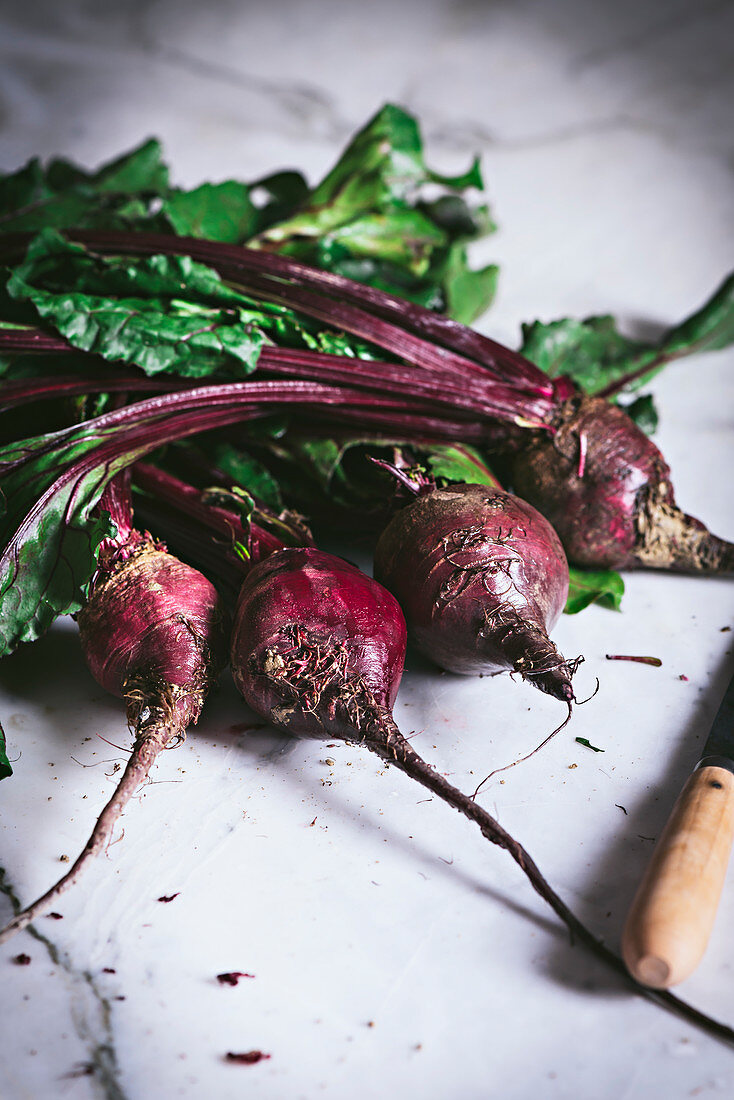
(673, 911)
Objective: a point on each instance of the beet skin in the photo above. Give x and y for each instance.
(481, 577)
(317, 645)
(152, 631)
(606, 489)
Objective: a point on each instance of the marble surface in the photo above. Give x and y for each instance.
(392, 951)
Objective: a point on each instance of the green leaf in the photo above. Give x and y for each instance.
(587, 586)
(51, 536)
(599, 358)
(585, 741)
(157, 336)
(48, 210)
(281, 193)
(18, 189)
(64, 195)
(591, 352)
(403, 237)
(216, 211)
(644, 413)
(140, 170)
(457, 462)
(471, 178)
(56, 265)
(468, 293)
(247, 471)
(709, 329)
(462, 222)
(370, 219)
(161, 313)
(5, 768)
(383, 161)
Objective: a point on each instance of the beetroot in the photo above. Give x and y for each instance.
(318, 647)
(481, 577)
(606, 489)
(153, 633)
(317, 650)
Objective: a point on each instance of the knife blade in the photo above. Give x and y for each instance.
(672, 914)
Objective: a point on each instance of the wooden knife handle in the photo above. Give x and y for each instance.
(672, 914)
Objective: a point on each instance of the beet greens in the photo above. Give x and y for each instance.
(370, 217)
(573, 444)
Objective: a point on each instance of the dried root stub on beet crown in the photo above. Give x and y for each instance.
(482, 578)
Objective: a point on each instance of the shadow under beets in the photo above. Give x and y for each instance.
(422, 856)
(227, 719)
(44, 668)
(51, 676)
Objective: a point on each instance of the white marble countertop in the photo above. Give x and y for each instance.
(393, 952)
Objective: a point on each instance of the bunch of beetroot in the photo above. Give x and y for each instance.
(316, 646)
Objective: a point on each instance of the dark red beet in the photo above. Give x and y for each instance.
(153, 633)
(148, 632)
(606, 489)
(481, 577)
(317, 645)
(303, 656)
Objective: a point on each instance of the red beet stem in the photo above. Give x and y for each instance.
(440, 385)
(23, 391)
(600, 481)
(186, 498)
(640, 660)
(407, 329)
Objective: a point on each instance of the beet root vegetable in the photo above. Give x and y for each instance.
(317, 649)
(153, 634)
(482, 578)
(318, 646)
(606, 489)
(587, 467)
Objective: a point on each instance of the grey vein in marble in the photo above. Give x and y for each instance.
(96, 1032)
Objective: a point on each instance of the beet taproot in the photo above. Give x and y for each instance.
(606, 489)
(482, 578)
(309, 670)
(318, 646)
(153, 633)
